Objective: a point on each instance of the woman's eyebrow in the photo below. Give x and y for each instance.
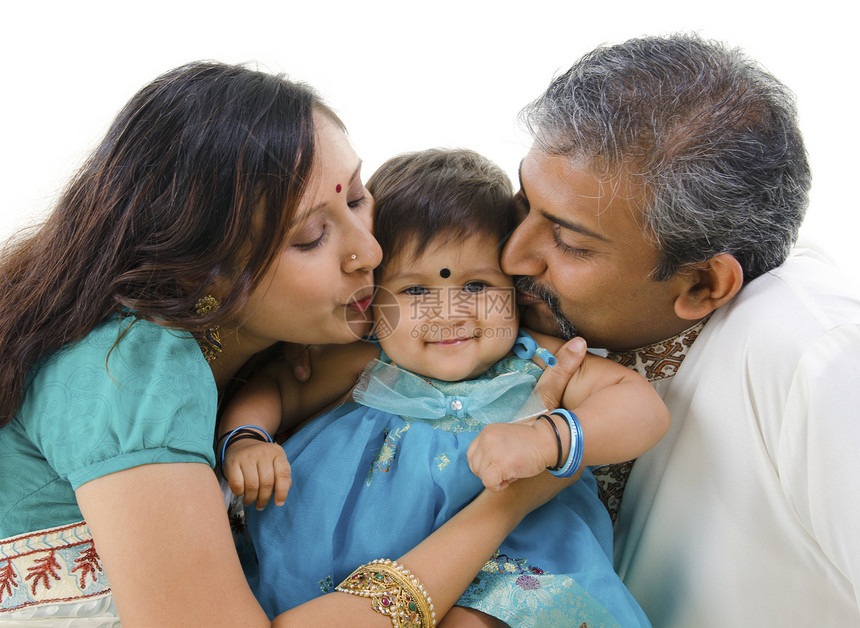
(355, 175)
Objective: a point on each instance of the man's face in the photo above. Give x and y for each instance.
(581, 242)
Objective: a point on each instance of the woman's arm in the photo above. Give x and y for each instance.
(447, 561)
(162, 534)
(273, 401)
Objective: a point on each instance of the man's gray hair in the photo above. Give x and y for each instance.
(710, 135)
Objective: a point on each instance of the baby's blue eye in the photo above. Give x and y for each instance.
(416, 291)
(476, 286)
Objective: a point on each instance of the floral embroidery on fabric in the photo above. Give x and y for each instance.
(387, 453)
(528, 582)
(88, 564)
(500, 563)
(43, 571)
(327, 584)
(442, 461)
(7, 580)
(61, 565)
(526, 597)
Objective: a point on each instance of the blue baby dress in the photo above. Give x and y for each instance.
(370, 483)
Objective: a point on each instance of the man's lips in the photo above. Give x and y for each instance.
(527, 298)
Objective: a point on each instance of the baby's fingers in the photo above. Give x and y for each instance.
(494, 478)
(484, 468)
(242, 479)
(476, 458)
(235, 479)
(265, 487)
(283, 480)
(251, 486)
(274, 480)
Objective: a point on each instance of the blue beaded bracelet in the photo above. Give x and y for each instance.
(574, 458)
(243, 428)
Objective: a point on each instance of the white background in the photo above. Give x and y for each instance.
(402, 76)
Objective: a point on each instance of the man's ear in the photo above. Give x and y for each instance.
(708, 285)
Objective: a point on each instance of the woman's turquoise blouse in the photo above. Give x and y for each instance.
(92, 409)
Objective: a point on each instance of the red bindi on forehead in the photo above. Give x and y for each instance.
(338, 188)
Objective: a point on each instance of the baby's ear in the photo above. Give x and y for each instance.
(708, 285)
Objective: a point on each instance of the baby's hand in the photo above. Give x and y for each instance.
(505, 452)
(257, 471)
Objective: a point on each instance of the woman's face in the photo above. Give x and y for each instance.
(319, 286)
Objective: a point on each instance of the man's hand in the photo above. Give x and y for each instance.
(553, 382)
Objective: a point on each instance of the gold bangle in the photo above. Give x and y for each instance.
(393, 591)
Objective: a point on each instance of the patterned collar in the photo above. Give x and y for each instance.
(656, 363)
(661, 360)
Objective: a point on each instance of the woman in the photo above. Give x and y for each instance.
(223, 212)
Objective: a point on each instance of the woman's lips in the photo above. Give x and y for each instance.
(361, 305)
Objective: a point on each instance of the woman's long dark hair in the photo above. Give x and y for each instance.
(197, 179)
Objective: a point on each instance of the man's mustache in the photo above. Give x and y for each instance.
(527, 284)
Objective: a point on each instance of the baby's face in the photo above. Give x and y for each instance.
(452, 310)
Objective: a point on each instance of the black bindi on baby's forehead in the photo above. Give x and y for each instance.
(444, 273)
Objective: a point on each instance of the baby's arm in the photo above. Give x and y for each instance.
(621, 417)
(272, 401)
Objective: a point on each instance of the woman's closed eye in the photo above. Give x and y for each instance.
(358, 196)
(308, 241)
(359, 202)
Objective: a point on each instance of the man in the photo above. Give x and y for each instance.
(664, 191)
